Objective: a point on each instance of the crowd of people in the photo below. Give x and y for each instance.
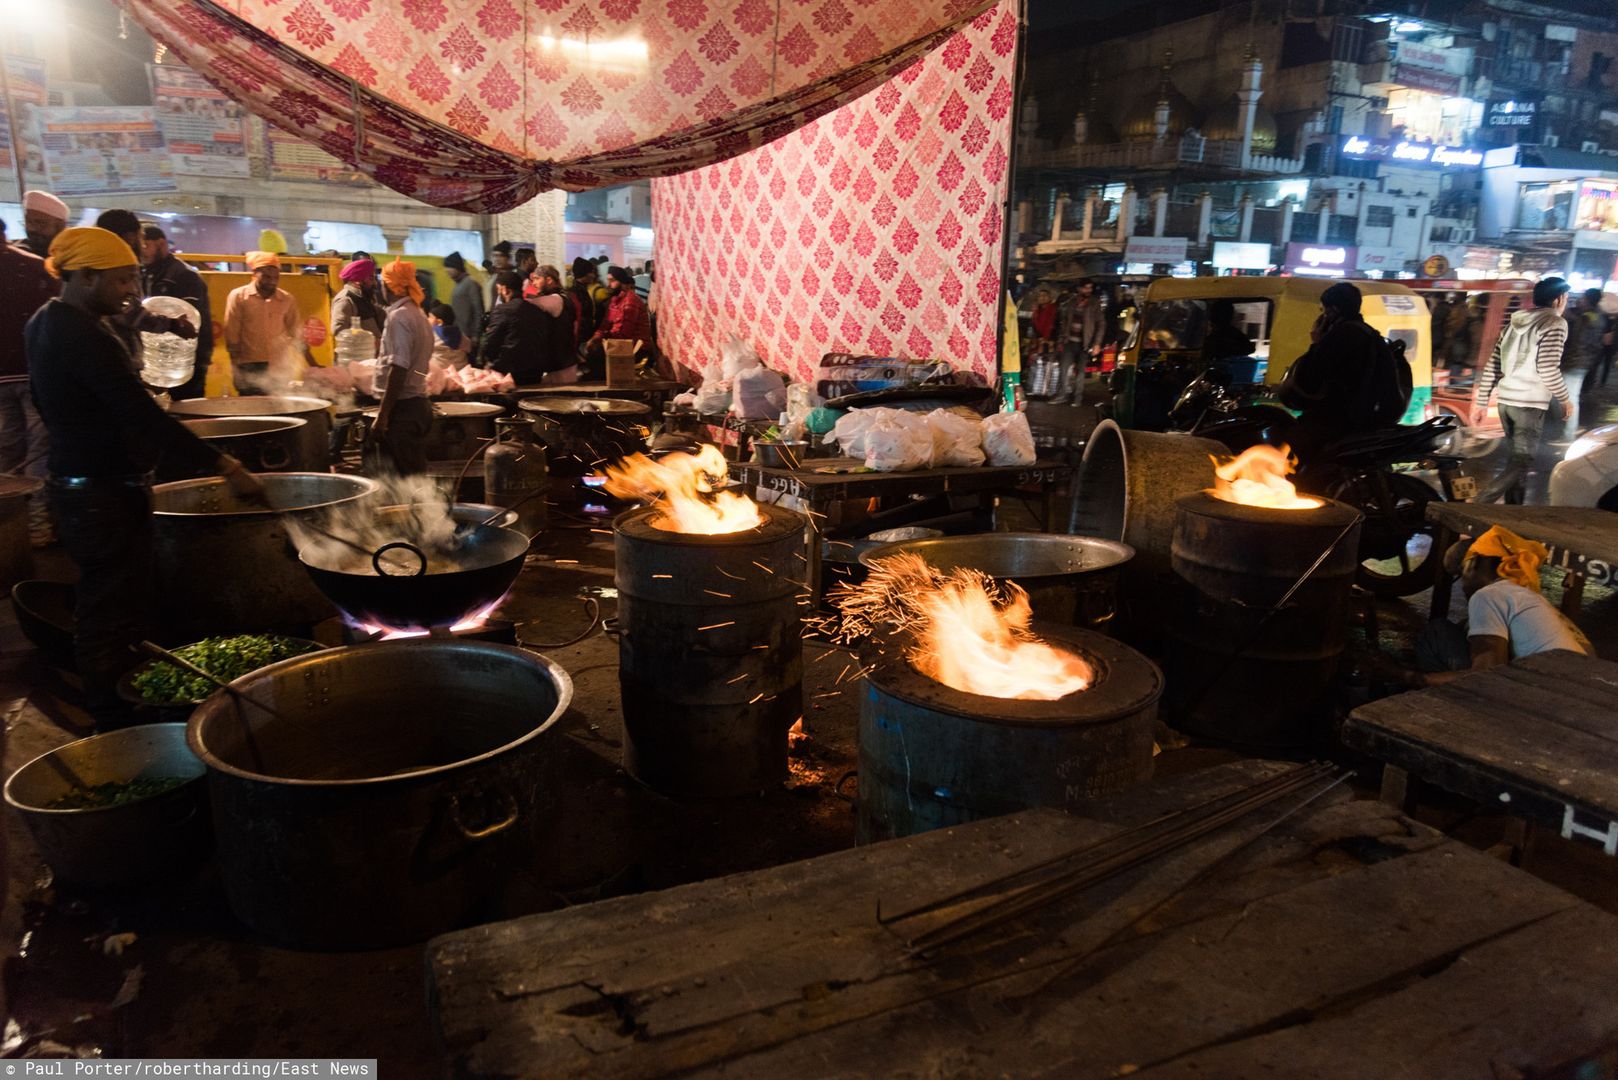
(1072, 327)
(75, 413)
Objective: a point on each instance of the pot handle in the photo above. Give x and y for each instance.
(488, 830)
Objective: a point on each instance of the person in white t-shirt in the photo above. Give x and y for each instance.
(1507, 618)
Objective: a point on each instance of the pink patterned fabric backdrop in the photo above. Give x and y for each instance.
(481, 104)
(875, 229)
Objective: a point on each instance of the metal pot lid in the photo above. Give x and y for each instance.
(562, 406)
(463, 410)
(271, 405)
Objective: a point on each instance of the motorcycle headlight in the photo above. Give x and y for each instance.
(1582, 446)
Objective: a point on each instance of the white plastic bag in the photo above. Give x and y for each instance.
(849, 432)
(957, 441)
(1007, 439)
(714, 398)
(735, 357)
(898, 441)
(761, 394)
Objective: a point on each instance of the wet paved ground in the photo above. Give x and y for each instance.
(168, 971)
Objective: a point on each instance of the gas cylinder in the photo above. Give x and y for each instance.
(513, 469)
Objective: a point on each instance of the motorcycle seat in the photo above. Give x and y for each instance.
(1403, 442)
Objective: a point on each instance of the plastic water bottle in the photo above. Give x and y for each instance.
(168, 360)
(355, 344)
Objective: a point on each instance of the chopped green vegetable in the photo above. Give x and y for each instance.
(99, 795)
(226, 658)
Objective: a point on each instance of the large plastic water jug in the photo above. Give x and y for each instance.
(355, 344)
(168, 360)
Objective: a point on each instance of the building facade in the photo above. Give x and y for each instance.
(1332, 139)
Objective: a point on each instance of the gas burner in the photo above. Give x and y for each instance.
(495, 631)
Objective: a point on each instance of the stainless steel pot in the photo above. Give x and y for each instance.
(402, 789)
(262, 443)
(163, 835)
(315, 448)
(459, 428)
(1069, 579)
(225, 566)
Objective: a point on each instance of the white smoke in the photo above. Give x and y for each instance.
(424, 521)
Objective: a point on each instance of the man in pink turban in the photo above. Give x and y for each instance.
(356, 301)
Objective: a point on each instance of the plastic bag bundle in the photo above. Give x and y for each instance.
(760, 394)
(1007, 439)
(957, 440)
(898, 441)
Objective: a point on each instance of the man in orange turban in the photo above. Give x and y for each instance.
(106, 435)
(261, 325)
(401, 425)
(1507, 618)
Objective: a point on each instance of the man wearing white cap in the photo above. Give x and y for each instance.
(43, 216)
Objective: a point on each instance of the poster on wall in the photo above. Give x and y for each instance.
(204, 129)
(104, 150)
(1598, 206)
(26, 77)
(291, 158)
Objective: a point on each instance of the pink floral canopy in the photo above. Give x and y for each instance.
(479, 105)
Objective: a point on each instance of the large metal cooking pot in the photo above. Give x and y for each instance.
(459, 428)
(581, 435)
(488, 559)
(227, 567)
(1069, 579)
(400, 789)
(159, 836)
(262, 443)
(316, 445)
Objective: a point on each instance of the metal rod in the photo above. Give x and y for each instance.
(14, 130)
(1134, 835)
(1041, 894)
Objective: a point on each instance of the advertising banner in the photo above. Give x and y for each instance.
(1598, 206)
(1359, 148)
(1380, 258)
(293, 159)
(1230, 255)
(205, 130)
(26, 77)
(1156, 249)
(104, 150)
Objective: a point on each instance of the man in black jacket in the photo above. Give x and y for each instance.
(516, 339)
(1331, 383)
(164, 274)
(106, 435)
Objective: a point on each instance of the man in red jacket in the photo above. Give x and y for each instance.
(626, 319)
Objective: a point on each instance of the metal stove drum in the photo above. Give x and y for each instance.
(931, 756)
(710, 653)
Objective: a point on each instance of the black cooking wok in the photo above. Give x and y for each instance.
(488, 560)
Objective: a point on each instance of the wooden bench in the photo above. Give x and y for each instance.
(1582, 542)
(1537, 739)
(1347, 941)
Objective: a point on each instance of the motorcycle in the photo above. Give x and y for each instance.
(1396, 540)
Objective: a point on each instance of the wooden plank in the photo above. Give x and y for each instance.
(1453, 1022)
(1307, 949)
(1580, 532)
(783, 966)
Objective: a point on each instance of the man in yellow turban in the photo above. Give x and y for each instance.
(261, 325)
(1507, 618)
(106, 435)
(401, 424)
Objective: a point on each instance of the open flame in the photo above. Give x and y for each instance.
(1258, 477)
(475, 621)
(686, 490)
(969, 632)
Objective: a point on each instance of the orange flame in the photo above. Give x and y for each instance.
(684, 489)
(1258, 477)
(971, 633)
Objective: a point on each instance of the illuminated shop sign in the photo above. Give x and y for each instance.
(1409, 153)
(1326, 260)
(1512, 113)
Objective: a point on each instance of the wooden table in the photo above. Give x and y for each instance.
(1537, 738)
(1347, 942)
(1583, 542)
(824, 482)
